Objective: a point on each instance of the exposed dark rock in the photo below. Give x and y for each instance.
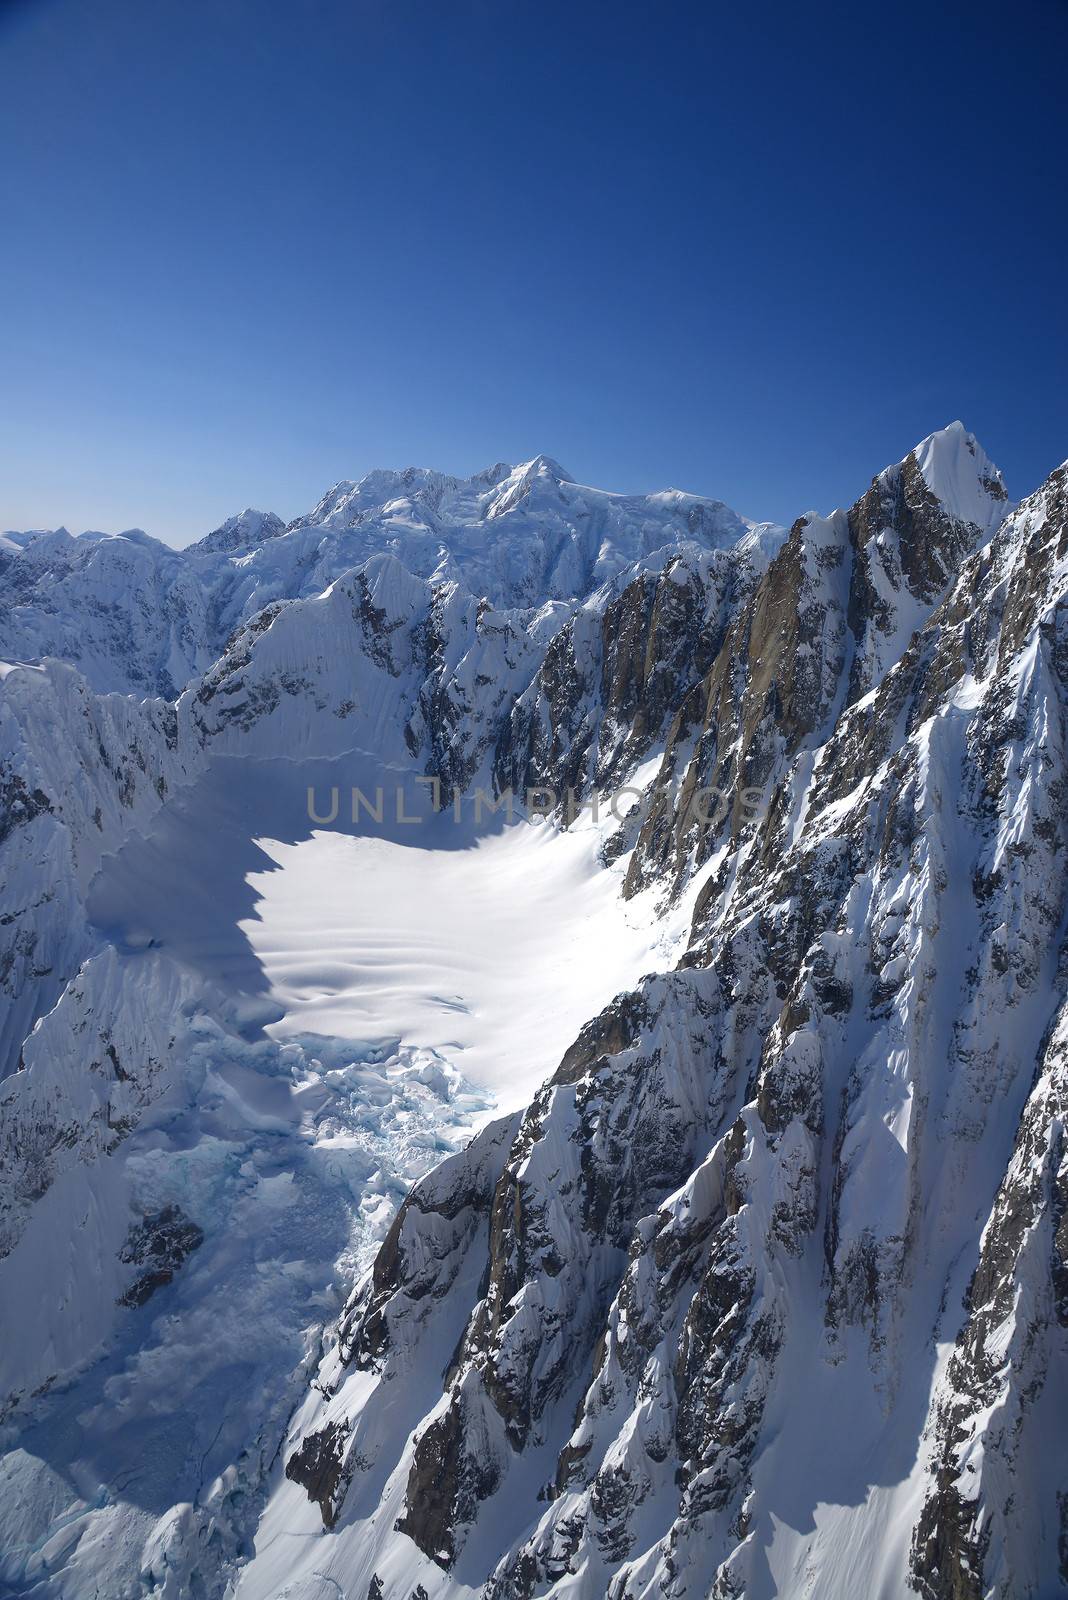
(319, 1467)
(158, 1245)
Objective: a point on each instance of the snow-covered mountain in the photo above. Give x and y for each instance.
(665, 1200)
(139, 617)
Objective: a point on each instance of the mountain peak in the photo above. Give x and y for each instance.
(960, 474)
(543, 466)
(491, 476)
(249, 527)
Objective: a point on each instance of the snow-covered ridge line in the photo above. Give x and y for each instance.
(140, 617)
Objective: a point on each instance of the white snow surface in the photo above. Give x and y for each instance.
(486, 942)
(494, 954)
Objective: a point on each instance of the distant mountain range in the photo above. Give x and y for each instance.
(139, 617)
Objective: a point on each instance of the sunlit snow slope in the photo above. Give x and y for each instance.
(494, 954)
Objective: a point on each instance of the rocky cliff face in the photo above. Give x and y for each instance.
(765, 1291)
(612, 677)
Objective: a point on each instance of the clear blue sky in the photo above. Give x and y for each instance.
(755, 251)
